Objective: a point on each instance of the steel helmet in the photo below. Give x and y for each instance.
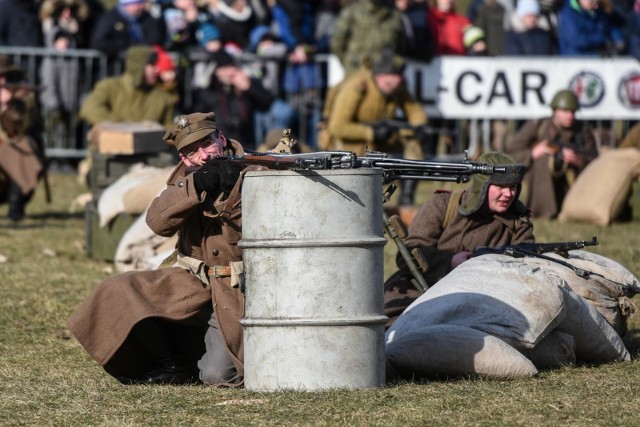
(565, 99)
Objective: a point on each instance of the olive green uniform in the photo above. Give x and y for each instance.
(359, 103)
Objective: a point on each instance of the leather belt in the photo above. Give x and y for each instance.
(219, 271)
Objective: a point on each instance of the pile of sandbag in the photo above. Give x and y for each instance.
(139, 248)
(501, 317)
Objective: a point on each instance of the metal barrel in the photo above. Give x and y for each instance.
(313, 253)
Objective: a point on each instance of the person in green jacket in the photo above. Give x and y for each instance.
(134, 96)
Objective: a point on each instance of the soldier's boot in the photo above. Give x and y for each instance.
(166, 365)
(16, 201)
(408, 192)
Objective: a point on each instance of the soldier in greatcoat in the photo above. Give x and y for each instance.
(449, 226)
(554, 150)
(21, 157)
(179, 323)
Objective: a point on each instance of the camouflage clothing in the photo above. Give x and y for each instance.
(364, 28)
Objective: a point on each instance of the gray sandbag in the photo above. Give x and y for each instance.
(596, 341)
(556, 350)
(450, 351)
(609, 289)
(494, 294)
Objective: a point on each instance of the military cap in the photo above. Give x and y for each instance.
(190, 128)
(480, 183)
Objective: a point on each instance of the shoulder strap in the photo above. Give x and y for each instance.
(452, 207)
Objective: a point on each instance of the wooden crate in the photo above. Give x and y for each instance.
(129, 138)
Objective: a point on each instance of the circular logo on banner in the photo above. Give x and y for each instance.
(588, 87)
(629, 90)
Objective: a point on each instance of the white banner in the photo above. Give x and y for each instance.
(457, 87)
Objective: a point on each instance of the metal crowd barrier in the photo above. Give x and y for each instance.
(64, 135)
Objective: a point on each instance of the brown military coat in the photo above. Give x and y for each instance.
(359, 103)
(439, 245)
(104, 320)
(20, 161)
(547, 182)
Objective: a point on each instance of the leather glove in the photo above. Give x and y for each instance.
(207, 178)
(382, 132)
(229, 174)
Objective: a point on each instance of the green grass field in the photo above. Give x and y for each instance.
(46, 378)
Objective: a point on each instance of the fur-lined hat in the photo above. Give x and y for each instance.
(477, 193)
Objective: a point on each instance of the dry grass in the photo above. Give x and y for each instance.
(47, 379)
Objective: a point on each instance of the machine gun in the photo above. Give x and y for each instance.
(538, 250)
(394, 169)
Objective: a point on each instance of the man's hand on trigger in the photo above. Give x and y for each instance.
(207, 178)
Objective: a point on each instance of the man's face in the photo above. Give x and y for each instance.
(5, 94)
(226, 73)
(500, 198)
(388, 83)
(563, 118)
(200, 152)
(150, 74)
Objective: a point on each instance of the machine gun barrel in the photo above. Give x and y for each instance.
(394, 169)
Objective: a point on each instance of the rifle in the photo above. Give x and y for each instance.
(396, 230)
(538, 250)
(394, 169)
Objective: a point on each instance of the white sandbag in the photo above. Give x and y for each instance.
(495, 294)
(136, 199)
(596, 341)
(608, 289)
(556, 350)
(111, 200)
(454, 351)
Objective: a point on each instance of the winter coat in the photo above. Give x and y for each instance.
(125, 99)
(532, 42)
(439, 243)
(21, 162)
(104, 319)
(585, 33)
(364, 29)
(112, 33)
(359, 103)
(234, 110)
(447, 30)
(19, 24)
(548, 182)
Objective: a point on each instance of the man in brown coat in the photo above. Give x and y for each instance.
(181, 322)
(449, 226)
(21, 158)
(555, 150)
(364, 104)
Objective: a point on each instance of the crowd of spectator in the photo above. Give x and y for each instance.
(291, 32)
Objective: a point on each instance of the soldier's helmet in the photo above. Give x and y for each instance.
(565, 99)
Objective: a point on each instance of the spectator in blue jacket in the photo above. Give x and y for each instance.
(585, 29)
